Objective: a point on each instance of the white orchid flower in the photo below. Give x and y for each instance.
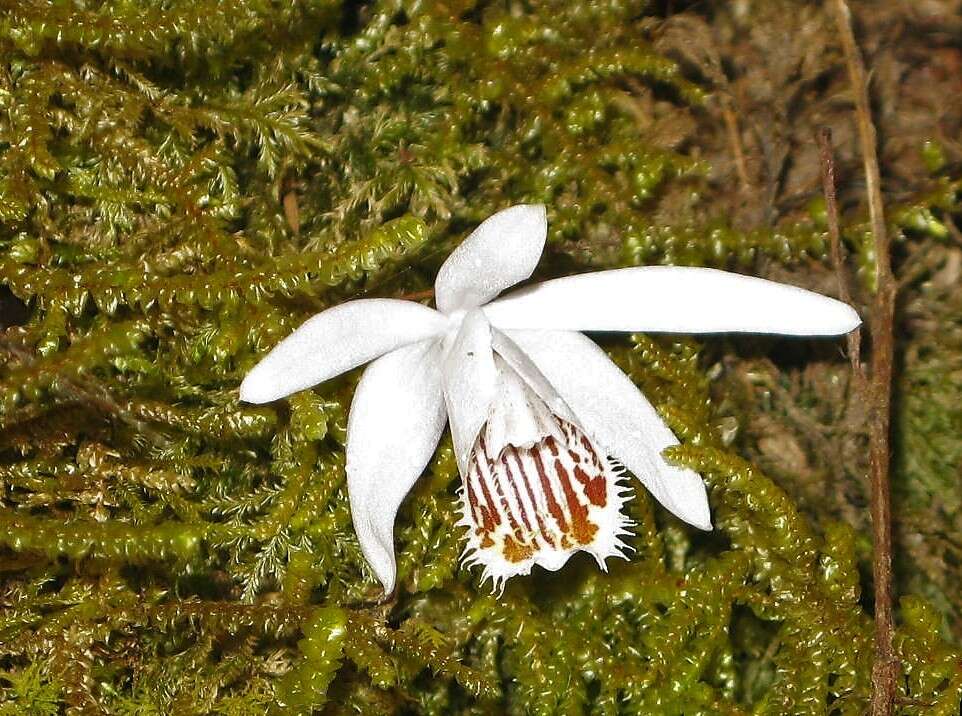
(538, 413)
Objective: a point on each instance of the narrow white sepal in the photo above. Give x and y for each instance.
(336, 340)
(672, 299)
(395, 422)
(502, 251)
(617, 416)
(470, 380)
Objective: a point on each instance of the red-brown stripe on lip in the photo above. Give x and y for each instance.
(534, 502)
(496, 477)
(583, 529)
(476, 470)
(517, 494)
(554, 508)
(594, 487)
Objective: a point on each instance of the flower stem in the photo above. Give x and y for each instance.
(886, 666)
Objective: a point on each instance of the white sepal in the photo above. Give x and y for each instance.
(470, 379)
(617, 416)
(336, 340)
(672, 299)
(396, 420)
(502, 251)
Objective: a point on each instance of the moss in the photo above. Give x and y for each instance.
(180, 187)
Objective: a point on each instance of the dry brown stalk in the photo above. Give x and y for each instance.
(854, 339)
(417, 295)
(886, 667)
(735, 140)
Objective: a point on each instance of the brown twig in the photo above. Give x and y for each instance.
(886, 666)
(417, 295)
(854, 339)
(85, 390)
(735, 140)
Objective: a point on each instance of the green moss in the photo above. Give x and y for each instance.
(181, 187)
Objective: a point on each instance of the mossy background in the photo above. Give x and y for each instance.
(182, 183)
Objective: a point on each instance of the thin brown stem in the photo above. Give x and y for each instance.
(854, 339)
(417, 295)
(886, 666)
(735, 140)
(85, 390)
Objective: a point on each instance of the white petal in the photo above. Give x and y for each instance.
(337, 340)
(502, 251)
(470, 380)
(672, 299)
(617, 416)
(396, 420)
